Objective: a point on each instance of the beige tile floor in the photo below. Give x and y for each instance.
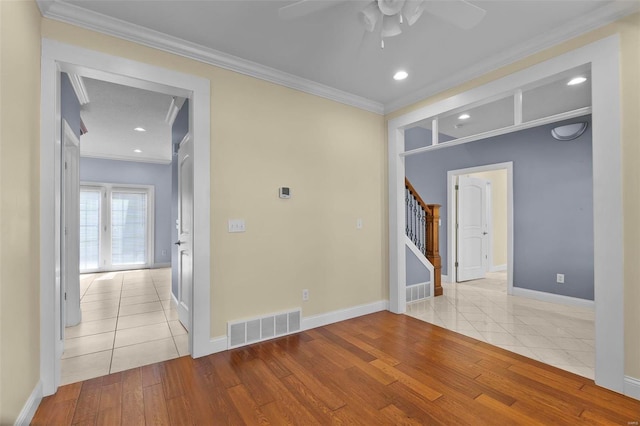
(559, 335)
(127, 321)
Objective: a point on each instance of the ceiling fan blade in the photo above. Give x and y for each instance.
(458, 12)
(305, 7)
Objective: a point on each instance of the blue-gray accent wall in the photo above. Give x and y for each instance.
(553, 201)
(69, 105)
(178, 131)
(417, 273)
(133, 173)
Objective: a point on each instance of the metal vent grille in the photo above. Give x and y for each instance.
(418, 292)
(258, 329)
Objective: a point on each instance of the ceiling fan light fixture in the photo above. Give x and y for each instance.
(390, 26)
(390, 7)
(412, 10)
(369, 16)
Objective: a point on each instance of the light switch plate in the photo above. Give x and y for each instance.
(236, 225)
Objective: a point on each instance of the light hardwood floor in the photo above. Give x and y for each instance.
(379, 369)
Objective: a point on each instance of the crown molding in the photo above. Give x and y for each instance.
(84, 18)
(598, 18)
(79, 88)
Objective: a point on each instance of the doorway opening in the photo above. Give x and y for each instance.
(480, 231)
(60, 58)
(121, 304)
(598, 57)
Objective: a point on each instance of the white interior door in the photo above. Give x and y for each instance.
(71, 238)
(185, 231)
(472, 228)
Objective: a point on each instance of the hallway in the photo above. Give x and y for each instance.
(127, 322)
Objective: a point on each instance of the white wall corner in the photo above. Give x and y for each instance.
(632, 387)
(320, 320)
(30, 406)
(553, 298)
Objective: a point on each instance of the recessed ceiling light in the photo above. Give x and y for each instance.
(464, 116)
(576, 80)
(137, 151)
(139, 129)
(400, 75)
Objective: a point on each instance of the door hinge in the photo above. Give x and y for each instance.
(457, 187)
(456, 264)
(65, 230)
(65, 295)
(65, 165)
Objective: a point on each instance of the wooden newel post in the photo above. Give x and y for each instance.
(433, 246)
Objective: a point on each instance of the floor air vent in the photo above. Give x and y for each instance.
(418, 292)
(262, 328)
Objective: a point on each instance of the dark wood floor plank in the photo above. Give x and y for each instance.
(151, 375)
(407, 380)
(88, 401)
(246, 406)
(155, 405)
(378, 369)
(515, 416)
(132, 398)
(398, 416)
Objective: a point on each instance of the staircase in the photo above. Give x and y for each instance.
(422, 226)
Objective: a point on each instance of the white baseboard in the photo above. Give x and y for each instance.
(220, 343)
(161, 265)
(444, 278)
(632, 387)
(30, 406)
(215, 345)
(553, 298)
(498, 268)
(343, 314)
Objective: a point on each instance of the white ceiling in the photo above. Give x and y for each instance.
(111, 115)
(331, 48)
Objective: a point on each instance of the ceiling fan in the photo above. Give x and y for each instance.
(389, 15)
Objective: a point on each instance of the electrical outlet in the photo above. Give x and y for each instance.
(560, 278)
(236, 225)
(359, 224)
(305, 294)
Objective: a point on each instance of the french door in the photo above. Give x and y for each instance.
(116, 227)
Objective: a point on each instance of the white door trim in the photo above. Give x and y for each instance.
(604, 57)
(58, 57)
(451, 218)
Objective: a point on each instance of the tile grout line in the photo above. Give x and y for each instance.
(165, 316)
(115, 332)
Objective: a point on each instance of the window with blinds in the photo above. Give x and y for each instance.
(116, 226)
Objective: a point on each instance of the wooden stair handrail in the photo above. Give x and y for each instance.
(415, 194)
(432, 225)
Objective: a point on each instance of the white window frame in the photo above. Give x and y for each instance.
(105, 258)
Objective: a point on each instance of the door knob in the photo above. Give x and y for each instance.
(484, 233)
(178, 243)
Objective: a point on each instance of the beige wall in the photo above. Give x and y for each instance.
(498, 179)
(264, 136)
(629, 30)
(19, 205)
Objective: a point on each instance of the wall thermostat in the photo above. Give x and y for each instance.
(284, 192)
